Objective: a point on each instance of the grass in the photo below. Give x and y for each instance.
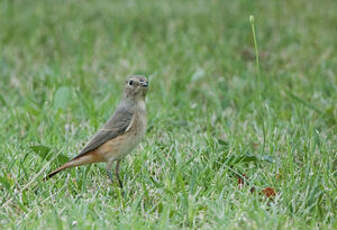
(62, 65)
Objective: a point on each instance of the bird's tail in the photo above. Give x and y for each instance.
(85, 159)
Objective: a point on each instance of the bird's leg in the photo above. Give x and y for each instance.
(117, 174)
(108, 170)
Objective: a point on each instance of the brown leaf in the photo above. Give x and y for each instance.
(269, 192)
(241, 181)
(249, 54)
(252, 189)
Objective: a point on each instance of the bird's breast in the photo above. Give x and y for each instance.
(125, 143)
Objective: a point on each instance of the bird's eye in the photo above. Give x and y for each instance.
(130, 82)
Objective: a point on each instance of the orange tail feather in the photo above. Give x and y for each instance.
(85, 159)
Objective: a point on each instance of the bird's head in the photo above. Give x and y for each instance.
(136, 87)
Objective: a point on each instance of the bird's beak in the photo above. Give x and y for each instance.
(144, 84)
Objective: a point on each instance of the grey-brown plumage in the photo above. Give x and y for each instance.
(116, 126)
(122, 132)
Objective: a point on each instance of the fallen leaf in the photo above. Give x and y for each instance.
(242, 181)
(252, 189)
(249, 54)
(269, 192)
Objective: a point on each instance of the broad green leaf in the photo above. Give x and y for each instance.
(267, 158)
(222, 142)
(2, 100)
(62, 98)
(5, 182)
(43, 152)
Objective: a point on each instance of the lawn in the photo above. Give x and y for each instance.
(215, 117)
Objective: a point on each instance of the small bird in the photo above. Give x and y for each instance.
(122, 132)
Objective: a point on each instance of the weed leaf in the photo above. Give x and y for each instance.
(62, 98)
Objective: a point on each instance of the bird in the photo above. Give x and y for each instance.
(120, 134)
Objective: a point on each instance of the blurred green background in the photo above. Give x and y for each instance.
(212, 116)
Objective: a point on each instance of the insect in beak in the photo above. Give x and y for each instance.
(144, 84)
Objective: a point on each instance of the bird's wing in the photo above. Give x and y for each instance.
(118, 124)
